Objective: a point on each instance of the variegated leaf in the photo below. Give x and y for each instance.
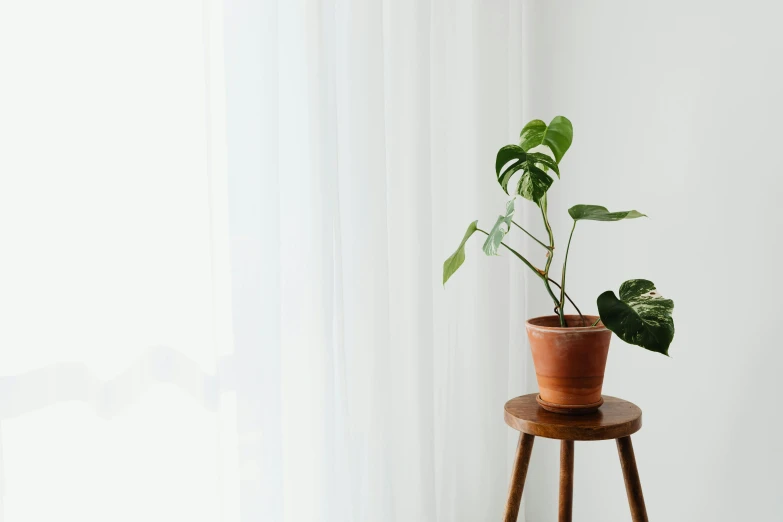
(501, 228)
(532, 134)
(534, 183)
(544, 162)
(641, 315)
(558, 136)
(508, 153)
(458, 257)
(598, 213)
(534, 180)
(505, 176)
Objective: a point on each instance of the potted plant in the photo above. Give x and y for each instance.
(569, 351)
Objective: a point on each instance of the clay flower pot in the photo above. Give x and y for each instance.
(570, 362)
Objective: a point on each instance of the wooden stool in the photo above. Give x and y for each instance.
(616, 419)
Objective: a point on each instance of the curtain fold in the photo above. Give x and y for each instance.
(224, 225)
(381, 126)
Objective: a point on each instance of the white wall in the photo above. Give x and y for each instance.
(675, 109)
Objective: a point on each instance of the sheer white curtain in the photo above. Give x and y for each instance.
(375, 126)
(114, 273)
(223, 227)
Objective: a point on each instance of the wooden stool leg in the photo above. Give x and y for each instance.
(566, 480)
(633, 486)
(518, 474)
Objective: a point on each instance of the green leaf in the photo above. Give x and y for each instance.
(504, 178)
(558, 136)
(539, 159)
(641, 315)
(495, 237)
(534, 183)
(598, 213)
(532, 134)
(506, 154)
(458, 257)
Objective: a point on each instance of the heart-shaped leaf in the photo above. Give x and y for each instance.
(641, 315)
(458, 257)
(508, 153)
(558, 136)
(502, 225)
(542, 160)
(598, 213)
(534, 183)
(513, 153)
(505, 177)
(532, 134)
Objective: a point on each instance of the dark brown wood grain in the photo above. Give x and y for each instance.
(566, 481)
(518, 474)
(633, 486)
(616, 418)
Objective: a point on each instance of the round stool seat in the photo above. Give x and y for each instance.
(616, 418)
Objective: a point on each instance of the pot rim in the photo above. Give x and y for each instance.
(531, 324)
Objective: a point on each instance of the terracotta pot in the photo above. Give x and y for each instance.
(570, 362)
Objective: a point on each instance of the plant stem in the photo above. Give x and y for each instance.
(569, 300)
(532, 236)
(535, 270)
(539, 273)
(543, 206)
(565, 262)
(558, 311)
(597, 321)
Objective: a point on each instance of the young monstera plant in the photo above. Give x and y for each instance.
(639, 315)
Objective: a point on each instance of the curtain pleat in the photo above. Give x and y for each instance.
(379, 131)
(237, 312)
